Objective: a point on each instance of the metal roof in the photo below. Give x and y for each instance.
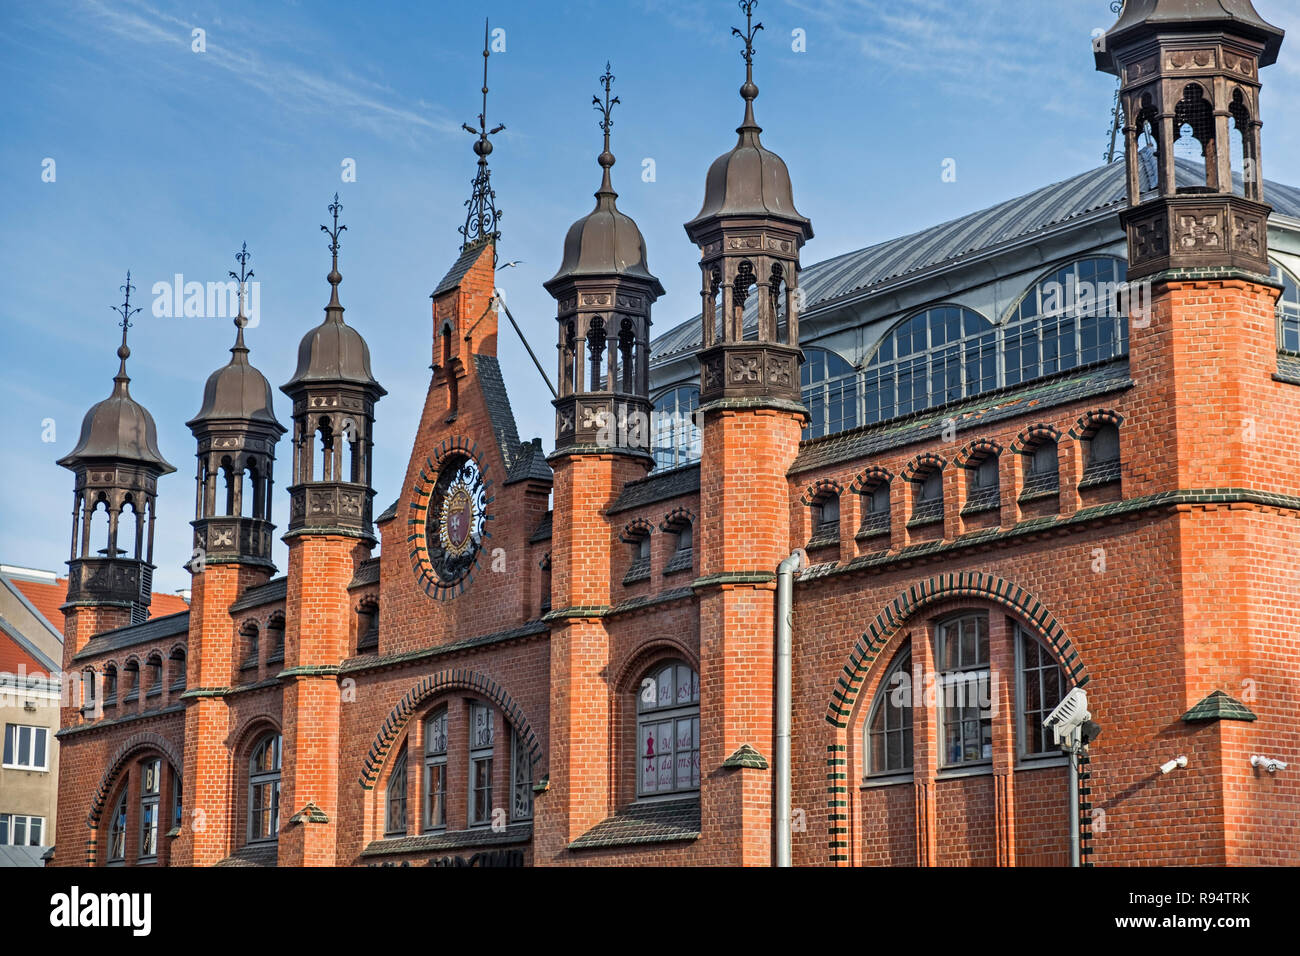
(1098, 191)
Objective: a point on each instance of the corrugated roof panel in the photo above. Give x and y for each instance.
(1085, 194)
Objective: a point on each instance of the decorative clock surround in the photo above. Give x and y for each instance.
(449, 515)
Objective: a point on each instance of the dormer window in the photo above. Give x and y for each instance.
(637, 538)
(679, 526)
(1042, 478)
(982, 488)
(927, 503)
(875, 510)
(367, 625)
(1103, 456)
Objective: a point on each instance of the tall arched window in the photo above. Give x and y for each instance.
(676, 434)
(1069, 318)
(482, 745)
(117, 832)
(889, 726)
(395, 824)
(1041, 686)
(264, 790)
(935, 356)
(150, 799)
(1288, 311)
(830, 391)
(965, 702)
(668, 730)
(435, 771)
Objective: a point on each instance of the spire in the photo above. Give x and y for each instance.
(748, 92)
(239, 350)
(123, 352)
(334, 310)
(606, 158)
(482, 216)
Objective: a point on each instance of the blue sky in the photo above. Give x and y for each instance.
(167, 160)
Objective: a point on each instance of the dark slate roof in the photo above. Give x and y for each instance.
(389, 513)
(254, 854)
(658, 486)
(1219, 706)
(367, 573)
(981, 410)
(154, 629)
(458, 269)
(530, 464)
(1097, 193)
(22, 856)
(497, 400)
(451, 840)
(543, 532)
(644, 823)
(273, 590)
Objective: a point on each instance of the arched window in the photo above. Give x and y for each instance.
(250, 646)
(668, 730)
(1288, 311)
(965, 705)
(889, 725)
(176, 665)
(435, 771)
(1103, 458)
(676, 434)
(935, 356)
(521, 780)
(150, 798)
(395, 824)
(482, 742)
(1069, 318)
(117, 832)
(264, 790)
(275, 638)
(830, 391)
(110, 685)
(1040, 687)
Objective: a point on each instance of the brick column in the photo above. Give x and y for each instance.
(1002, 687)
(207, 829)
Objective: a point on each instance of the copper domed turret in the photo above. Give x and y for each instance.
(237, 431)
(117, 464)
(603, 291)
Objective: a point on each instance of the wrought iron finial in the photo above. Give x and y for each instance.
(334, 278)
(242, 277)
(1116, 6)
(482, 214)
(125, 311)
(748, 92)
(605, 109)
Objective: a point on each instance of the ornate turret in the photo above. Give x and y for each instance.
(1191, 68)
(749, 233)
(604, 291)
(237, 431)
(117, 464)
(334, 397)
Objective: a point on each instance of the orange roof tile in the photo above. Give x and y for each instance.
(47, 597)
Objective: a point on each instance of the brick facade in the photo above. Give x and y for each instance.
(1152, 589)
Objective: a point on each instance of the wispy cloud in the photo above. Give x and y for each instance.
(341, 95)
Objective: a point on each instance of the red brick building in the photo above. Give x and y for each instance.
(572, 658)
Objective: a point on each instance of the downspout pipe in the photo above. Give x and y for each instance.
(785, 573)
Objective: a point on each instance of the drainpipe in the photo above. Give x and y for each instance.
(785, 571)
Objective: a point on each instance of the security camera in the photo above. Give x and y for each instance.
(1178, 763)
(1271, 764)
(1070, 714)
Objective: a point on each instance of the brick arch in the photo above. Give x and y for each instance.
(677, 518)
(637, 660)
(133, 745)
(456, 679)
(924, 462)
(943, 587)
(635, 530)
(1035, 435)
(821, 489)
(870, 477)
(1090, 421)
(977, 448)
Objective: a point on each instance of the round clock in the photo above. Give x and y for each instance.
(448, 514)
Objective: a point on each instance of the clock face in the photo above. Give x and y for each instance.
(448, 515)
